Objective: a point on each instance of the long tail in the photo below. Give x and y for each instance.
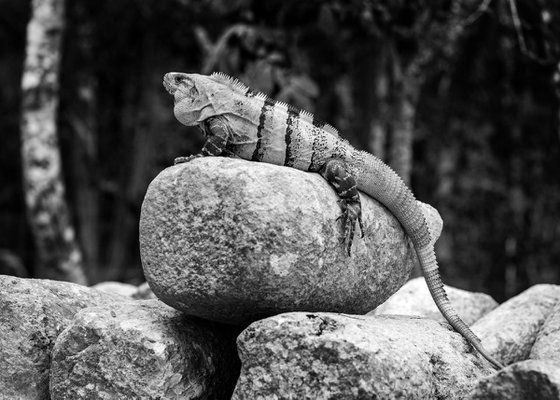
(381, 182)
(430, 269)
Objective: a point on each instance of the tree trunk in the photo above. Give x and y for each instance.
(402, 129)
(392, 109)
(142, 119)
(406, 87)
(378, 124)
(81, 115)
(58, 255)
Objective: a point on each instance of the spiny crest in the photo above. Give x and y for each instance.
(330, 129)
(291, 108)
(285, 105)
(306, 114)
(320, 124)
(239, 87)
(232, 83)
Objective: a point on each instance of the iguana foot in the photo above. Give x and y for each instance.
(337, 174)
(180, 160)
(351, 213)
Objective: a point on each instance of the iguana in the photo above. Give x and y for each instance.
(241, 122)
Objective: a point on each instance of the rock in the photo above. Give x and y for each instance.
(435, 223)
(336, 356)
(143, 349)
(510, 330)
(124, 289)
(414, 299)
(33, 312)
(143, 292)
(547, 344)
(235, 241)
(525, 380)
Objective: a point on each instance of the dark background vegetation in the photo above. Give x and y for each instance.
(486, 133)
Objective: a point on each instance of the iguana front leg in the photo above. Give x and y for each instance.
(336, 173)
(217, 134)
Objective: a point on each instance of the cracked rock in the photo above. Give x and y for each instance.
(337, 356)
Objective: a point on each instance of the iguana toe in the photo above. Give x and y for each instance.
(180, 160)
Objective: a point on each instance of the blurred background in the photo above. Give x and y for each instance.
(460, 97)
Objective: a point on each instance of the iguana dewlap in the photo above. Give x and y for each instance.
(240, 122)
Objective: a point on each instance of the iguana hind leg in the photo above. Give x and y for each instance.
(336, 173)
(217, 135)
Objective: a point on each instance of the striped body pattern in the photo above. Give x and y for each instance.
(252, 126)
(269, 131)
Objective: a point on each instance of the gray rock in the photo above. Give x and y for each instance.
(235, 241)
(525, 380)
(144, 292)
(547, 344)
(124, 289)
(414, 299)
(33, 312)
(435, 223)
(336, 356)
(510, 330)
(142, 349)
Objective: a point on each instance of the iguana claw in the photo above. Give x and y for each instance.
(180, 160)
(351, 212)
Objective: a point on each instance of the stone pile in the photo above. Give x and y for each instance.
(256, 298)
(64, 341)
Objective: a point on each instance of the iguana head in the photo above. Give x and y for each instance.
(193, 96)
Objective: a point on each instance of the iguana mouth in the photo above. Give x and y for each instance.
(168, 83)
(180, 86)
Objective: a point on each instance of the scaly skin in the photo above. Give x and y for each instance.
(250, 125)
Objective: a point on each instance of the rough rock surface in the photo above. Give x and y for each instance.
(124, 289)
(525, 380)
(33, 312)
(547, 345)
(236, 241)
(144, 292)
(143, 349)
(510, 330)
(414, 299)
(337, 356)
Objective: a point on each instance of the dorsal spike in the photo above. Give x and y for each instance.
(239, 87)
(306, 114)
(283, 105)
(233, 83)
(293, 109)
(261, 96)
(330, 129)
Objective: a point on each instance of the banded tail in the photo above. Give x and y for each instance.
(382, 183)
